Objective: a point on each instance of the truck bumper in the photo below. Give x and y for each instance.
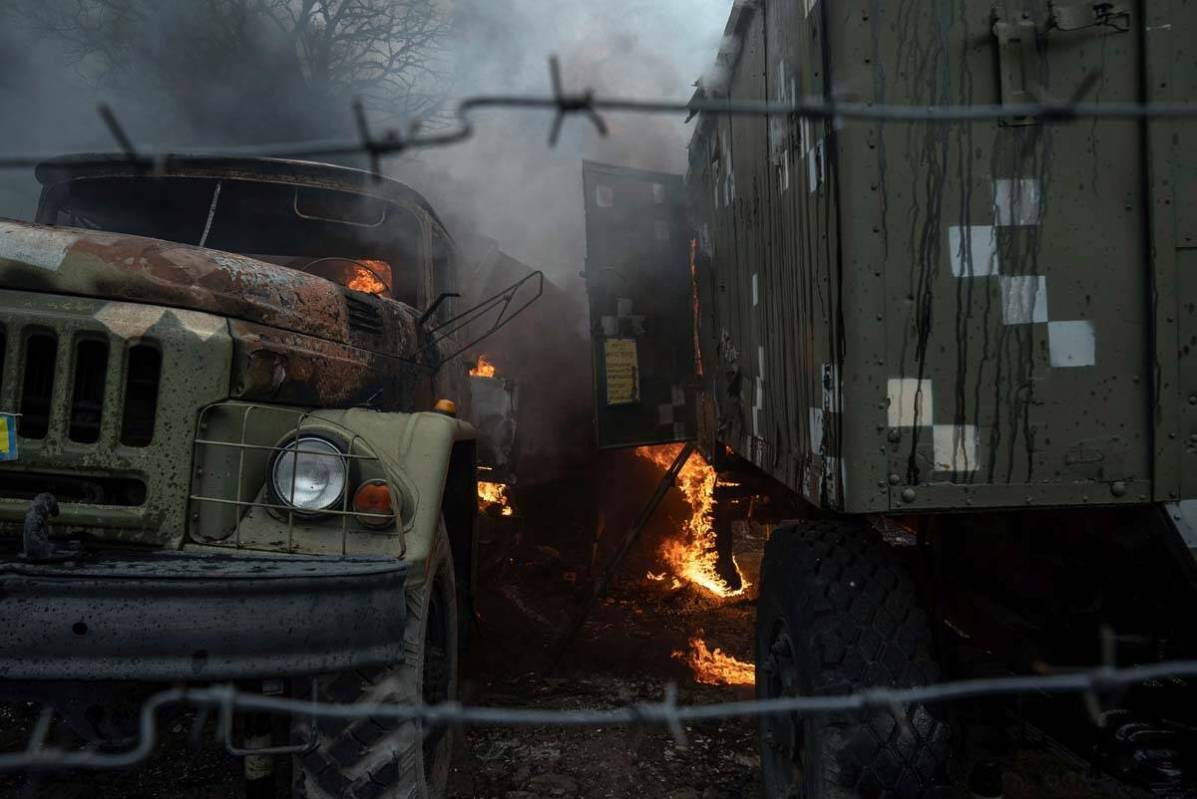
(184, 617)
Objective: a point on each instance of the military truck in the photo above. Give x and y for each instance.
(230, 454)
(965, 350)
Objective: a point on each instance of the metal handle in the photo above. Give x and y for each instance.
(1018, 64)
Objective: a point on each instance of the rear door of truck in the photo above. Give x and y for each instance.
(638, 279)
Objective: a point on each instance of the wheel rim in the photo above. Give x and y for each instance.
(437, 671)
(782, 736)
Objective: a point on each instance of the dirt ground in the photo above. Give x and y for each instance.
(534, 573)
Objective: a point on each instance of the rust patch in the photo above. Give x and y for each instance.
(280, 366)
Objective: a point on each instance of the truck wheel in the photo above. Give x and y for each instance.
(838, 614)
(378, 757)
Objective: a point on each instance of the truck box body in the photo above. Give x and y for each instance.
(898, 317)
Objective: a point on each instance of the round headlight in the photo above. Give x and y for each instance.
(309, 474)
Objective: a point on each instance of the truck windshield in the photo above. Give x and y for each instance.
(363, 243)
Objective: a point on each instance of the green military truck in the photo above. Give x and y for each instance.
(228, 453)
(965, 350)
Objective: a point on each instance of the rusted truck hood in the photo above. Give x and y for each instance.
(136, 269)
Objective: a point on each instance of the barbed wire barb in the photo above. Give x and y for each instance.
(117, 131)
(570, 104)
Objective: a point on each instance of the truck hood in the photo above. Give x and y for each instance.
(128, 268)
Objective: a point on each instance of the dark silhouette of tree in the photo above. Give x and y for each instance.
(259, 69)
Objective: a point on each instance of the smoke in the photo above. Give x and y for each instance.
(194, 73)
(200, 72)
(506, 183)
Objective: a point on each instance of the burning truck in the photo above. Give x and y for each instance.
(961, 351)
(230, 450)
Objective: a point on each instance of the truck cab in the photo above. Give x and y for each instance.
(222, 383)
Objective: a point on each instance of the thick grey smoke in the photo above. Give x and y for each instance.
(182, 75)
(185, 73)
(506, 182)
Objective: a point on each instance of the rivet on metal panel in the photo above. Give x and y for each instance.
(1193, 399)
(895, 435)
(894, 479)
(1118, 489)
(908, 495)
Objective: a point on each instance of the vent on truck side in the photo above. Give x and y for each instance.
(364, 316)
(87, 398)
(142, 378)
(37, 388)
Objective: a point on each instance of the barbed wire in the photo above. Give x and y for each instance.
(1092, 684)
(591, 106)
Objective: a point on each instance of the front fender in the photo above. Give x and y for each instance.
(427, 449)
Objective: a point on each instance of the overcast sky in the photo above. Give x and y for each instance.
(505, 184)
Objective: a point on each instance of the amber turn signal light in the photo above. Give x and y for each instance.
(372, 502)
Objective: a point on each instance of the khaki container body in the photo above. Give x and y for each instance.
(902, 317)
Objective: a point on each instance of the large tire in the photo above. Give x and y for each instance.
(382, 758)
(838, 614)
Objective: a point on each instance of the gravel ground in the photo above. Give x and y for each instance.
(532, 577)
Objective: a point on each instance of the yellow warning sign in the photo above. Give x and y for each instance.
(623, 371)
(8, 437)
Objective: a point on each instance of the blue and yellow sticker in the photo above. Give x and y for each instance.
(8, 437)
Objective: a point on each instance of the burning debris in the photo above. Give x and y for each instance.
(692, 555)
(484, 368)
(370, 277)
(494, 495)
(714, 667)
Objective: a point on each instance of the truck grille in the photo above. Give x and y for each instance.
(90, 391)
(37, 388)
(109, 394)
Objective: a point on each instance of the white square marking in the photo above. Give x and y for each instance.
(44, 248)
(1024, 300)
(816, 430)
(955, 448)
(1016, 202)
(1072, 344)
(604, 196)
(831, 386)
(758, 407)
(909, 402)
(973, 250)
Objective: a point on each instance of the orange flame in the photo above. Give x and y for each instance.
(656, 578)
(484, 368)
(715, 667)
(366, 277)
(692, 555)
(492, 495)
